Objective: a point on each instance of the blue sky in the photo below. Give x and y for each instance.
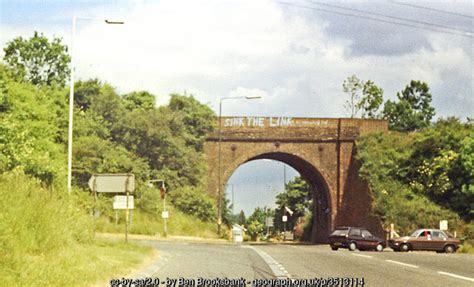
(295, 55)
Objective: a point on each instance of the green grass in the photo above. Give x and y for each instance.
(76, 265)
(150, 224)
(467, 247)
(46, 239)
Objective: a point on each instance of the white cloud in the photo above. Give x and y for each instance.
(214, 49)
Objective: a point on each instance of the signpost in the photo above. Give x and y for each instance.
(112, 183)
(165, 214)
(120, 202)
(116, 183)
(268, 223)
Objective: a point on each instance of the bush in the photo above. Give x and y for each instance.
(194, 202)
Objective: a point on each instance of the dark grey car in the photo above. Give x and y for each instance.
(354, 238)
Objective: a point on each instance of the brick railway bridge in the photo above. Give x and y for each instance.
(321, 149)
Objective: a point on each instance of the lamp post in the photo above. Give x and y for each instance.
(71, 93)
(219, 187)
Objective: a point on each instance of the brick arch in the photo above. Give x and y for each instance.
(320, 191)
(321, 150)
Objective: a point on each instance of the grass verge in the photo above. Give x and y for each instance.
(150, 224)
(467, 247)
(46, 239)
(78, 265)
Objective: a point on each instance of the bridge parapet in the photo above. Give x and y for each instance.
(295, 129)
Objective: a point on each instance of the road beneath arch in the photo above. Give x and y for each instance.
(192, 260)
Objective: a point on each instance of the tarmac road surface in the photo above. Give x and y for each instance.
(280, 261)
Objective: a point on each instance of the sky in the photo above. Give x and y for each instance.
(295, 54)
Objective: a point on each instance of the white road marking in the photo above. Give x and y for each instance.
(362, 255)
(456, 276)
(277, 269)
(401, 263)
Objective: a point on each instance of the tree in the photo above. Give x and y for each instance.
(241, 219)
(372, 98)
(85, 91)
(352, 86)
(37, 60)
(364, 96)
(195, 119)
(413, 110)
(4, 101)
(256, 223)
(297, 197)
(139, 100)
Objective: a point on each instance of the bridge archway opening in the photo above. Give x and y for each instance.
(321, 198)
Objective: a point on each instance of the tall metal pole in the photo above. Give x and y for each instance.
(219, 202)
(71, 109)
(219, 169)
(71, 96)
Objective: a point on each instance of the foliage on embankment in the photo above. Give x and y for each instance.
(422, 177)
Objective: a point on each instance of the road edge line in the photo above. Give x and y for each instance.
(278, 270)
(456, 276)
(401, 263)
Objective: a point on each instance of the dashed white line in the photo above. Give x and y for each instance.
(401, 263)
(362, 255)
(456, 276)
(277, 269)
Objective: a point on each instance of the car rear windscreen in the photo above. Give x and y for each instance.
(340, 232)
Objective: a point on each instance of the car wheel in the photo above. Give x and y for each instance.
(352, 246)
(449, 249)
(334, 248)
(404, 247)
(379, 247)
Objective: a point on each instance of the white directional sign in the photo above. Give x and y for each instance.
(443, 224)
(269, 221)
(120, 202)
(165, 214)
(284, 218)
(113, 183)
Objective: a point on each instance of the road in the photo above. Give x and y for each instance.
(193, 260)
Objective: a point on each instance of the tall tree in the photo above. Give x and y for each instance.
(364, 96)
(37, 60)
(352, 86)
(371, 100)
(413, 110)
(241, 218)
(196, 120)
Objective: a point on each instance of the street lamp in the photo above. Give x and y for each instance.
(71, 94)
(219, 188)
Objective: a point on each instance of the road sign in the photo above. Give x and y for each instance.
(120, 202)
(112, 183)
(443, 224)
(284, 218)
(269, 221)
(165, 214)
